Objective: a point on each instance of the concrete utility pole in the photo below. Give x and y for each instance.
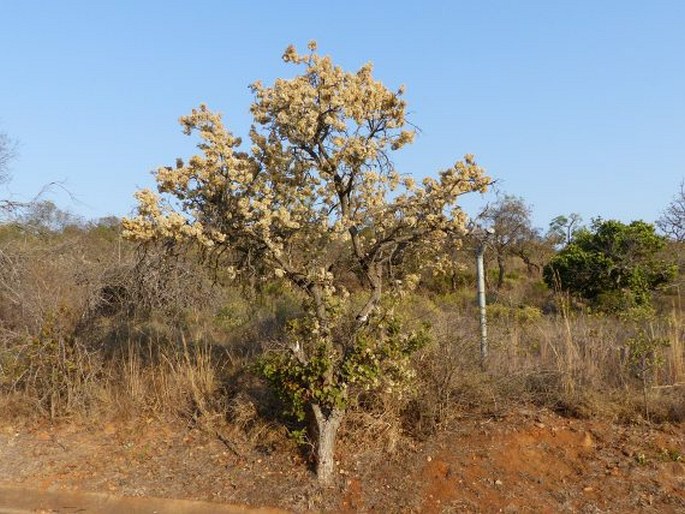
(481, 236)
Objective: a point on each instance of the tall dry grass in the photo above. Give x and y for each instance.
(574, 362)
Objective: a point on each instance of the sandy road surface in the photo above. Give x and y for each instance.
(18, 500)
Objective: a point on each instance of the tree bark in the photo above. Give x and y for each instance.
(327, 425)
(500, 271)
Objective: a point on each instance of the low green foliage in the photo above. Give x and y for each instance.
(644, 355)
(377, 358)
(672, 455)
(521, 314)
(641, 459)
(644, 351)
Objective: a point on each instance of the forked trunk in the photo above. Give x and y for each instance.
(327, 424)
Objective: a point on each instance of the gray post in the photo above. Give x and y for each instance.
(480, 271)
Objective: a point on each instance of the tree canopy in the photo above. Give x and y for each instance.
(672, 220)
(562, 228)
(7, 153)
(513, 232)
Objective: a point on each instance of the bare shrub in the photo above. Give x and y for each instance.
(44, 361)
(449, 379)
(148, 281)
(52, 371)
(38, 276)
(79, 310)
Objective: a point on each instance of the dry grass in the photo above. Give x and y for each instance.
(575, 363)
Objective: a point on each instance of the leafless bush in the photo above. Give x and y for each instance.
(150, 280)
(37, 277)
(52, 371)
(61, 296)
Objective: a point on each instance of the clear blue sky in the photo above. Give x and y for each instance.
(576, 106)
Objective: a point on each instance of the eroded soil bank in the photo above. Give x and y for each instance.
(527, 460)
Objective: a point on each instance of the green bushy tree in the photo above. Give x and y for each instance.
(612, 265)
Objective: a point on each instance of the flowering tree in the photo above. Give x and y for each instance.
(316, 189)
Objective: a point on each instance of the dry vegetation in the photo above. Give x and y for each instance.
(94, 329)
(91, 325)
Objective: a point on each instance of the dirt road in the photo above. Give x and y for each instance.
(17, 500)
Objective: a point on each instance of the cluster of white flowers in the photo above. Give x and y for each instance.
(316, 186)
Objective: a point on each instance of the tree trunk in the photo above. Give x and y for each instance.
(501, 271)
(533, 268)
(327, 425)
